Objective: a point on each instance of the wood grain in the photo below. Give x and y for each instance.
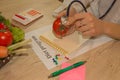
(103, 62)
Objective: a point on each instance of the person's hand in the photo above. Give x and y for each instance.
(87, 24)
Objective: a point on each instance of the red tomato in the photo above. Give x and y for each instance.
(2, 26)
(6, 38)
(58, 28)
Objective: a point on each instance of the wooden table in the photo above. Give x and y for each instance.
(102, 62)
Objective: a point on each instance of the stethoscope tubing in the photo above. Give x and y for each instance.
(107, 11)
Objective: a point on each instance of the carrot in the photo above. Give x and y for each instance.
(3, 51)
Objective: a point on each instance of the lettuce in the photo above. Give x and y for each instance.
(18, 34)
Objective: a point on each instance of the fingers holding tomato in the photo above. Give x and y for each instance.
(59, 29)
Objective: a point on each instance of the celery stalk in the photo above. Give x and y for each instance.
(19, 44)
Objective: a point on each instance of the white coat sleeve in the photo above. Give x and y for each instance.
(91, 5)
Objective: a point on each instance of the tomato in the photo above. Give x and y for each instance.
(58, 28)
(6, 38)
(2, 26)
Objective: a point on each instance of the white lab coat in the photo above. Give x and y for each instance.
(97, 7)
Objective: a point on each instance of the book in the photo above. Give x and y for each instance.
(27, 16)
(46, 53)
(66, 45)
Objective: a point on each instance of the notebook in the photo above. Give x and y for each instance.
(66, 45)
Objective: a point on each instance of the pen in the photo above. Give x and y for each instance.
(56, 73)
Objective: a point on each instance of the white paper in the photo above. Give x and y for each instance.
(47, 53)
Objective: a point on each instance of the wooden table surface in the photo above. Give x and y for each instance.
(103, 62)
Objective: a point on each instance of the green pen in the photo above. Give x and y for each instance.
(56, 73)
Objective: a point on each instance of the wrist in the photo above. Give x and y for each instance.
(105, 29)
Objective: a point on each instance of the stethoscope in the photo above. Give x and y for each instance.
(107, 11)
(60, 21)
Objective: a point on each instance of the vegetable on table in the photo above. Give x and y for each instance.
(4, 51)
(17, 33)
(2, 26)
(11, 37)
(6, 38)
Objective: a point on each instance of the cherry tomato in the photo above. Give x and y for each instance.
(6, 38)
(2, 26)
(58, 28)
